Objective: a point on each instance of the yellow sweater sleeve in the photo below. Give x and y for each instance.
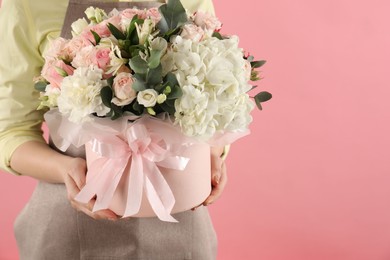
(23, 34)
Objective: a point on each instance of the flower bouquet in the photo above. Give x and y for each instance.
(147, 92)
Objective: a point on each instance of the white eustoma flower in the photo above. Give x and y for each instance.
(116, 61)
(95, 15)
(80, 94)
(147, 97)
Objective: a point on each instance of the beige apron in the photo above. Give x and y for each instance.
(49, 228)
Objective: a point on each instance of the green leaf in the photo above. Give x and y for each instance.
(176, 93)
(106, 94)
(116, 32)
(138, 65)
(250, 58)
(262, 97)
(218, 35)
(154, 76)
(258, 64)
(139, 85)
(168, 107)
(40, 86)
(173, 15)
(138, 108)
(97, 37)
(155, 58)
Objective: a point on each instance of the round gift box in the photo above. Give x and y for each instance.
(190, 186)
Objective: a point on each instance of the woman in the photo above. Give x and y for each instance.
(53, 225)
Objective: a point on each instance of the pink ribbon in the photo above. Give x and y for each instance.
(148, 151)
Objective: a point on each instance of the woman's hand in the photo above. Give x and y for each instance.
(218, 176)
(74, 179)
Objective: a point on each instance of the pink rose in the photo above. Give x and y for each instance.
(153, 14)
(207, 21)
(76, 44)
(54, 71)
(101, 29)
(192, 32)
(123, 89)
(248, 70)
(102, 58)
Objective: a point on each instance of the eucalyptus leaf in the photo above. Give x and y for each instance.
(173, 15)
(217, 35)
(154, 76)
(176, 93)
(155, 58)
(139, 85)
(40, 86)
(258, 64)
(138, 65)
(262, 97)
(167, 108)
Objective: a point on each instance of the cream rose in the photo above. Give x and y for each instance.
(123, 89)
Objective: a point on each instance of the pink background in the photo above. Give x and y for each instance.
(312, 181)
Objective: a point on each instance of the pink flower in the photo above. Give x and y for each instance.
(207, 21)
(102, 58)
(192, 32)
(123, 89)
(75, 45)
(153, 14)
(57, 50)
(54, 71)
(101, 29)
(130, 13)
(84, 57)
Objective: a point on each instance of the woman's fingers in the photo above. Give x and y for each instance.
(74, 181)
(218, 188)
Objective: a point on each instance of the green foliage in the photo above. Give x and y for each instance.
(97, 37)
(173, 15)
(40, 86)
(138, 64)
(106, 94)
(262, 97)
(116, 32)
(257, 64)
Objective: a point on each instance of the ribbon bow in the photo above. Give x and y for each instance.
(147, 151)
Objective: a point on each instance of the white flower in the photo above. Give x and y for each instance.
(144, 30)
(49, 98)
(161, 98)
(194, 113)
(78, 26)
(116, 60)
(80, 94)
(95, 15)
(147, 97)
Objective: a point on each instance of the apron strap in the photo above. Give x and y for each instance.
(76, 10)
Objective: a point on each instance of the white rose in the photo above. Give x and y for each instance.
(78, 26)
(80, 94)
(147, 98)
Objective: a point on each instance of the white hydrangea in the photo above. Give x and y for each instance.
(80, 94)
(214, 78)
